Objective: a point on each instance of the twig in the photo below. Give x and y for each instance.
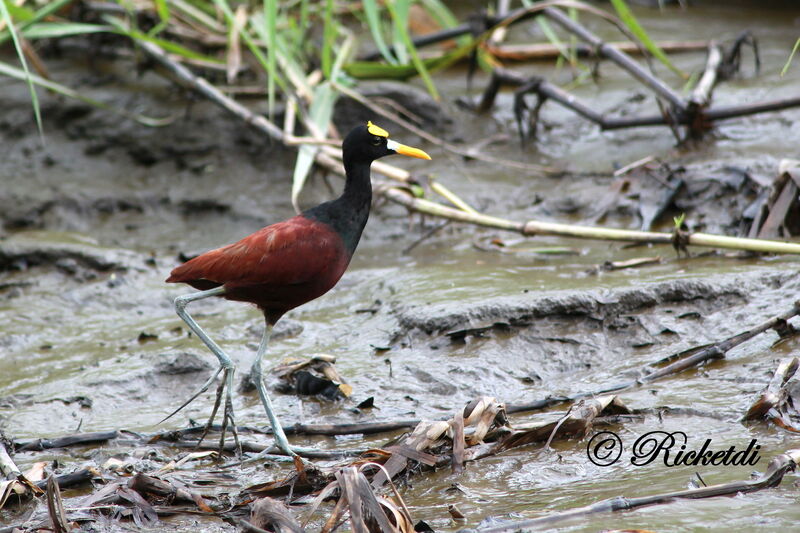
(55, 507)
(546, 51)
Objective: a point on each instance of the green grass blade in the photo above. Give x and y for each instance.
(46, 30)
(19, 13)
(372, 11)
(552, 36)
(791, 56)
(320, 114)
(378, 70)
(398, 9)
(399, 12)
(329, 32)
(162, 10)
(19, 74)
(6, 16)
(169, 46)
(270, 29)
(626, 15)
(27, 18)
(198, 14)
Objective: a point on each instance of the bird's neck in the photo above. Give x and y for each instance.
(348, 214)
(358, 186)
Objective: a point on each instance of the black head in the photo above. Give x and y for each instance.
(369, 142)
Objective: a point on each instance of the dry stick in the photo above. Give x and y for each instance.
(570, 101)
(68, 440)
(620, 58)
(772, 477)
(547, 51)
(8, 468)
(55, 507)
(701, 94)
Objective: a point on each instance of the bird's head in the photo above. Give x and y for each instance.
(370, 142)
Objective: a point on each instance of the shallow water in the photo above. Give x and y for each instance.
(70, 333)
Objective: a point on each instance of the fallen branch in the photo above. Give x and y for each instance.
(719, 349)
(772, 477)
(66, 441)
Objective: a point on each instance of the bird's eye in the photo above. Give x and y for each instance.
(376, 141)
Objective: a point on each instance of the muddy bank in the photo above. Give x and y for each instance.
(93, 222)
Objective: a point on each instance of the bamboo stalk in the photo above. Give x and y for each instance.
(534, 227)
(451, 197)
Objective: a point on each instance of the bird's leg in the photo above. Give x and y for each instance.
(255, 374)
(226, 366)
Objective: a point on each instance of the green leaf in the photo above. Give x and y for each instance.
(399, 11)
(48, 30)
(169, 46)
(372, 11)
(320, 114)
(27, 17)
(6, 16)
(162, 9)
(329, 32)
(270, 29)
(16, 73)
(633, 25)
(378, 70)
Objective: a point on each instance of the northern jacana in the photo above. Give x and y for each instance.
(287, 264)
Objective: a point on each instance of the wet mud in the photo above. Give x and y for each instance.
(94, 216)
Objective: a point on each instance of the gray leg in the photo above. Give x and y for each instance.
(255, 373)
(226, 366)
(277, 431)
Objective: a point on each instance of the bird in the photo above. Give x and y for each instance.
(285, 265)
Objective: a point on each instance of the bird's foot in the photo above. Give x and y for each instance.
(224, 388)
(228, 416)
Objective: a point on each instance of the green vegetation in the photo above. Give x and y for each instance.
(303, 52)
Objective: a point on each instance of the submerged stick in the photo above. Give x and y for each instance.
(718, 350)
(772, 477)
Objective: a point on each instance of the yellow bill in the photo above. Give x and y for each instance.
(406, 150)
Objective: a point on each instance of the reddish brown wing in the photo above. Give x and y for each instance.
(293, 252)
